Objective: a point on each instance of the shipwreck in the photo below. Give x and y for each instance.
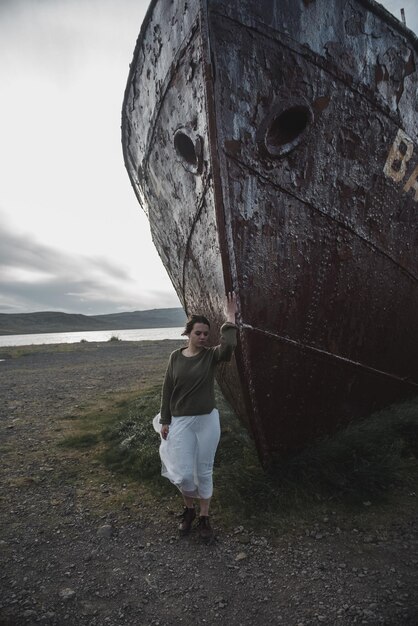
(274, 147)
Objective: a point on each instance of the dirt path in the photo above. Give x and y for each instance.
(75, 551)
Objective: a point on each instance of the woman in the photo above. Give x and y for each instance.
(190, 428)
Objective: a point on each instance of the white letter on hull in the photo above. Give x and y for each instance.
(412, 183)
(401, 158)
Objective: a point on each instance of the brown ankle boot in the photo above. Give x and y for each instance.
(205, 529)
(187, 518)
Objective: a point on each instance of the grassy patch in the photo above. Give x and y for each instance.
(15, 353)
(368, 461)
(81, 442)
(122, 431)
(132, 444)
(86, 429)
(115, 444)
(372, 460)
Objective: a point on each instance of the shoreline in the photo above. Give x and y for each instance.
(78, 344)
(130, 334)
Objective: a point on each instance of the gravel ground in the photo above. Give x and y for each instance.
(67, 560)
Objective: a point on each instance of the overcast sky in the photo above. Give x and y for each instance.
(72, 235)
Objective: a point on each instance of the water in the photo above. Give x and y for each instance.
(134, 334)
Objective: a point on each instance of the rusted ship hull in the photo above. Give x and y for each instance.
(274, 146)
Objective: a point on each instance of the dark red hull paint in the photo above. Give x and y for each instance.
(267, 141)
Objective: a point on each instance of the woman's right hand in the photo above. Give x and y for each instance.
(231, 307)
(164, 431)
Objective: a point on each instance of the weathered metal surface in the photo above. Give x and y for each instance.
(274, 147)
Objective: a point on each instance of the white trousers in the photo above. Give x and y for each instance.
(188, 453)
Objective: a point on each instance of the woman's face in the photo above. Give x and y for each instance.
(198, 338)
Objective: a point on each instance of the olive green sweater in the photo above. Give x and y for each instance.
(189, 381)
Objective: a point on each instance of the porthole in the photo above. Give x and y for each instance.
(285, 129)
(188, 149)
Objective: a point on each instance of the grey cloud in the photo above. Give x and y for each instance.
(111, 270)
(72, 284)
(57, 36)
(21, 252)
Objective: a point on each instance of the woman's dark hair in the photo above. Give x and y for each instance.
(195, 319)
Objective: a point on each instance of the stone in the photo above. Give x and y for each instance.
(67, 593)
(105, 531)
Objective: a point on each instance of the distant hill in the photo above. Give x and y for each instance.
(56, 322)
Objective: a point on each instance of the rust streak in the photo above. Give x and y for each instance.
(189, 238)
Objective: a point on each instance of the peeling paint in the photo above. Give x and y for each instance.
(397, 162)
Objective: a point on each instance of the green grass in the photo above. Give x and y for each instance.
(81, 441)
(132, 444)
(87, 428)
(367, 461)
(371, 460)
